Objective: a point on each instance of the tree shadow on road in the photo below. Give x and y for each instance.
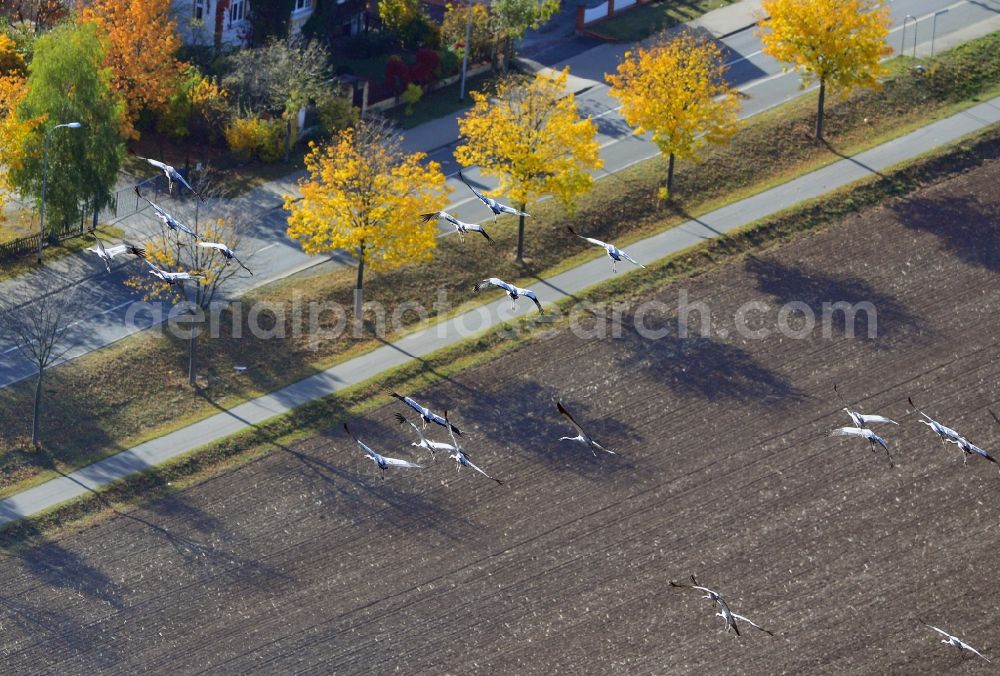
(967, 226)
(865, 313)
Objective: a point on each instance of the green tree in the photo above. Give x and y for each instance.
(512, 18)
(280, 78)
(67, 82)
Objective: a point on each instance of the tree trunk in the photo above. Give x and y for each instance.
(359, 285)
(192, 359)
(36, 415)
(288, 138)
(819, 112)
(670, 176)
(520, 235)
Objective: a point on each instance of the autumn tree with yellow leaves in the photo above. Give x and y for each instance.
(14, 131)
(530, 135)
(364, 194)
(142, 43)
(835, 42)
(677, 90)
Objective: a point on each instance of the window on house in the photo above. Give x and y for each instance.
(237, 11)
(200, 9)
(302, 4)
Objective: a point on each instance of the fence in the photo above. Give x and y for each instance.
(124, 203)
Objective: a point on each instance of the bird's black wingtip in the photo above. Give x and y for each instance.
(910, 399)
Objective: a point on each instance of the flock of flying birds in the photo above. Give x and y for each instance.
(108, 253)
(860, 427)
(514, 292)
(861, 430)
(455, 451)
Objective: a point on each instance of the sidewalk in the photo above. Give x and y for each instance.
(425, 342)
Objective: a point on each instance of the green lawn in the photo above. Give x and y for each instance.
(638, 23)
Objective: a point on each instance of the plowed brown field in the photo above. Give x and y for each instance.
(305, 561)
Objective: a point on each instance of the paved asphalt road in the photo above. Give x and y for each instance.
(424, 342)
(111, 309)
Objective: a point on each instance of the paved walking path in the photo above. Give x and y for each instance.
(424, 342)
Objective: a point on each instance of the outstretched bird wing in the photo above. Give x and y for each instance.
(396, 462)
(482, 231)
(630, 259)
(596, 242)
(875, 419)
(363, 446)
(401, 419)
(849, 432)
(467, 462)
(176, 175)
(753, 624)
(527, 293)
(100, 244)
(940, 631)
(569, 416)
(478, 194)
(975, 449)
(493, 281)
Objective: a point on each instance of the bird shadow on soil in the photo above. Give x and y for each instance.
(848, 306)
(523, 416)
(695, 365)
(966, 226)
(356, 496)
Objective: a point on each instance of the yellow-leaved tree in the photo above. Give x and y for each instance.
(530, 135)
(142, 43)
(365, 194)
(13, 130)
(835, 42)
(677, 90)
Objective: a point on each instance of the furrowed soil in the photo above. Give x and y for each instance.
(306, 561)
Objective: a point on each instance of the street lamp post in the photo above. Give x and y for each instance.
(934, 27)
(465, 55)
(902, 40)
(45, 182)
